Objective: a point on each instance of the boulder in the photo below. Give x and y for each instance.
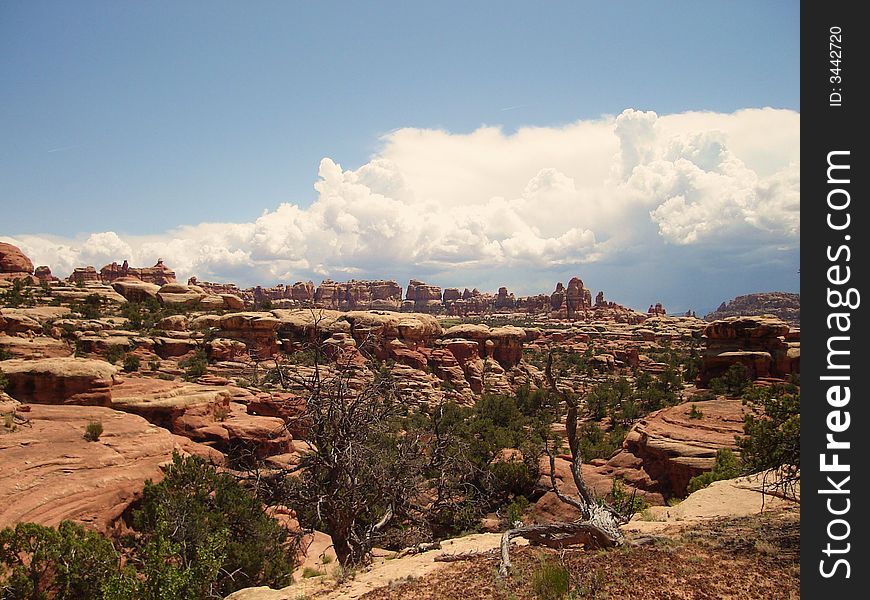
(135, 290)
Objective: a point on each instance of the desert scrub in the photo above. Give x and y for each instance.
(727, 467)
(114, 354)
(550, 581)
(196, 365)
(220, 412)
(131, 363)
(93, 431)
(695, 413)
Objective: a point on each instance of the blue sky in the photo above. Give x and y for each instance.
(137, 118)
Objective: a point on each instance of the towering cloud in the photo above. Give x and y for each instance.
(431, 201)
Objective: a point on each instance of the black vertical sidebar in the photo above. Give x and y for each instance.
(835, 421)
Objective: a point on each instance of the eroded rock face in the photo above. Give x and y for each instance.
(34, 347)
(60, 380)
(426, 298)
(504, 344)
(52, 473)
(162, 402)
(82, 275)
(159, 274)
(43, 275)
(672, 447)
(765, 345)
(13, 262)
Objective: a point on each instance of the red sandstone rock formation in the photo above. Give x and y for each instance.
(452, 295)
(302, 292)
(782, 305)
(503, 300)
(59, 475)
(159, 274)
(13, 263)
(43, 275)
(764, 345)
(81, 275)
(657, 310)
(60, 380)
(426, 298)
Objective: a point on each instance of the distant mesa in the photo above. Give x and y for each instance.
(573, 302)
(159, 274)
(783, 305)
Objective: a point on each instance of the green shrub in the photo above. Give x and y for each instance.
(89, 308)
(93, 431)
(67, 563)
(625, 502)
(771, 440)
(515, 510)
(196, 365)
(4, 381)
(727, 466)
(205, 517)
(695, 413)
(18, 294)
(550, 581)
(597, 443)
(114, 353)
(733, 382)
(198, 534)
(166, 376)
(131, 363)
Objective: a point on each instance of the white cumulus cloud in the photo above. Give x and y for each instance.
(431, 201)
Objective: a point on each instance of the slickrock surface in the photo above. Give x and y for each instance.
(51, 473)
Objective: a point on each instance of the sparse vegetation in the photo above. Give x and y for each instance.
(89, 308)
(550, 580)
(197, 534)
(18, 294)
(695, 412)
(114, 353)
(132, 363)
(196, 365)
(733, 382)
(771, 440)
(727, 466)
(93, 431)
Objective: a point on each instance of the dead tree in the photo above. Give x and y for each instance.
(598, 526)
